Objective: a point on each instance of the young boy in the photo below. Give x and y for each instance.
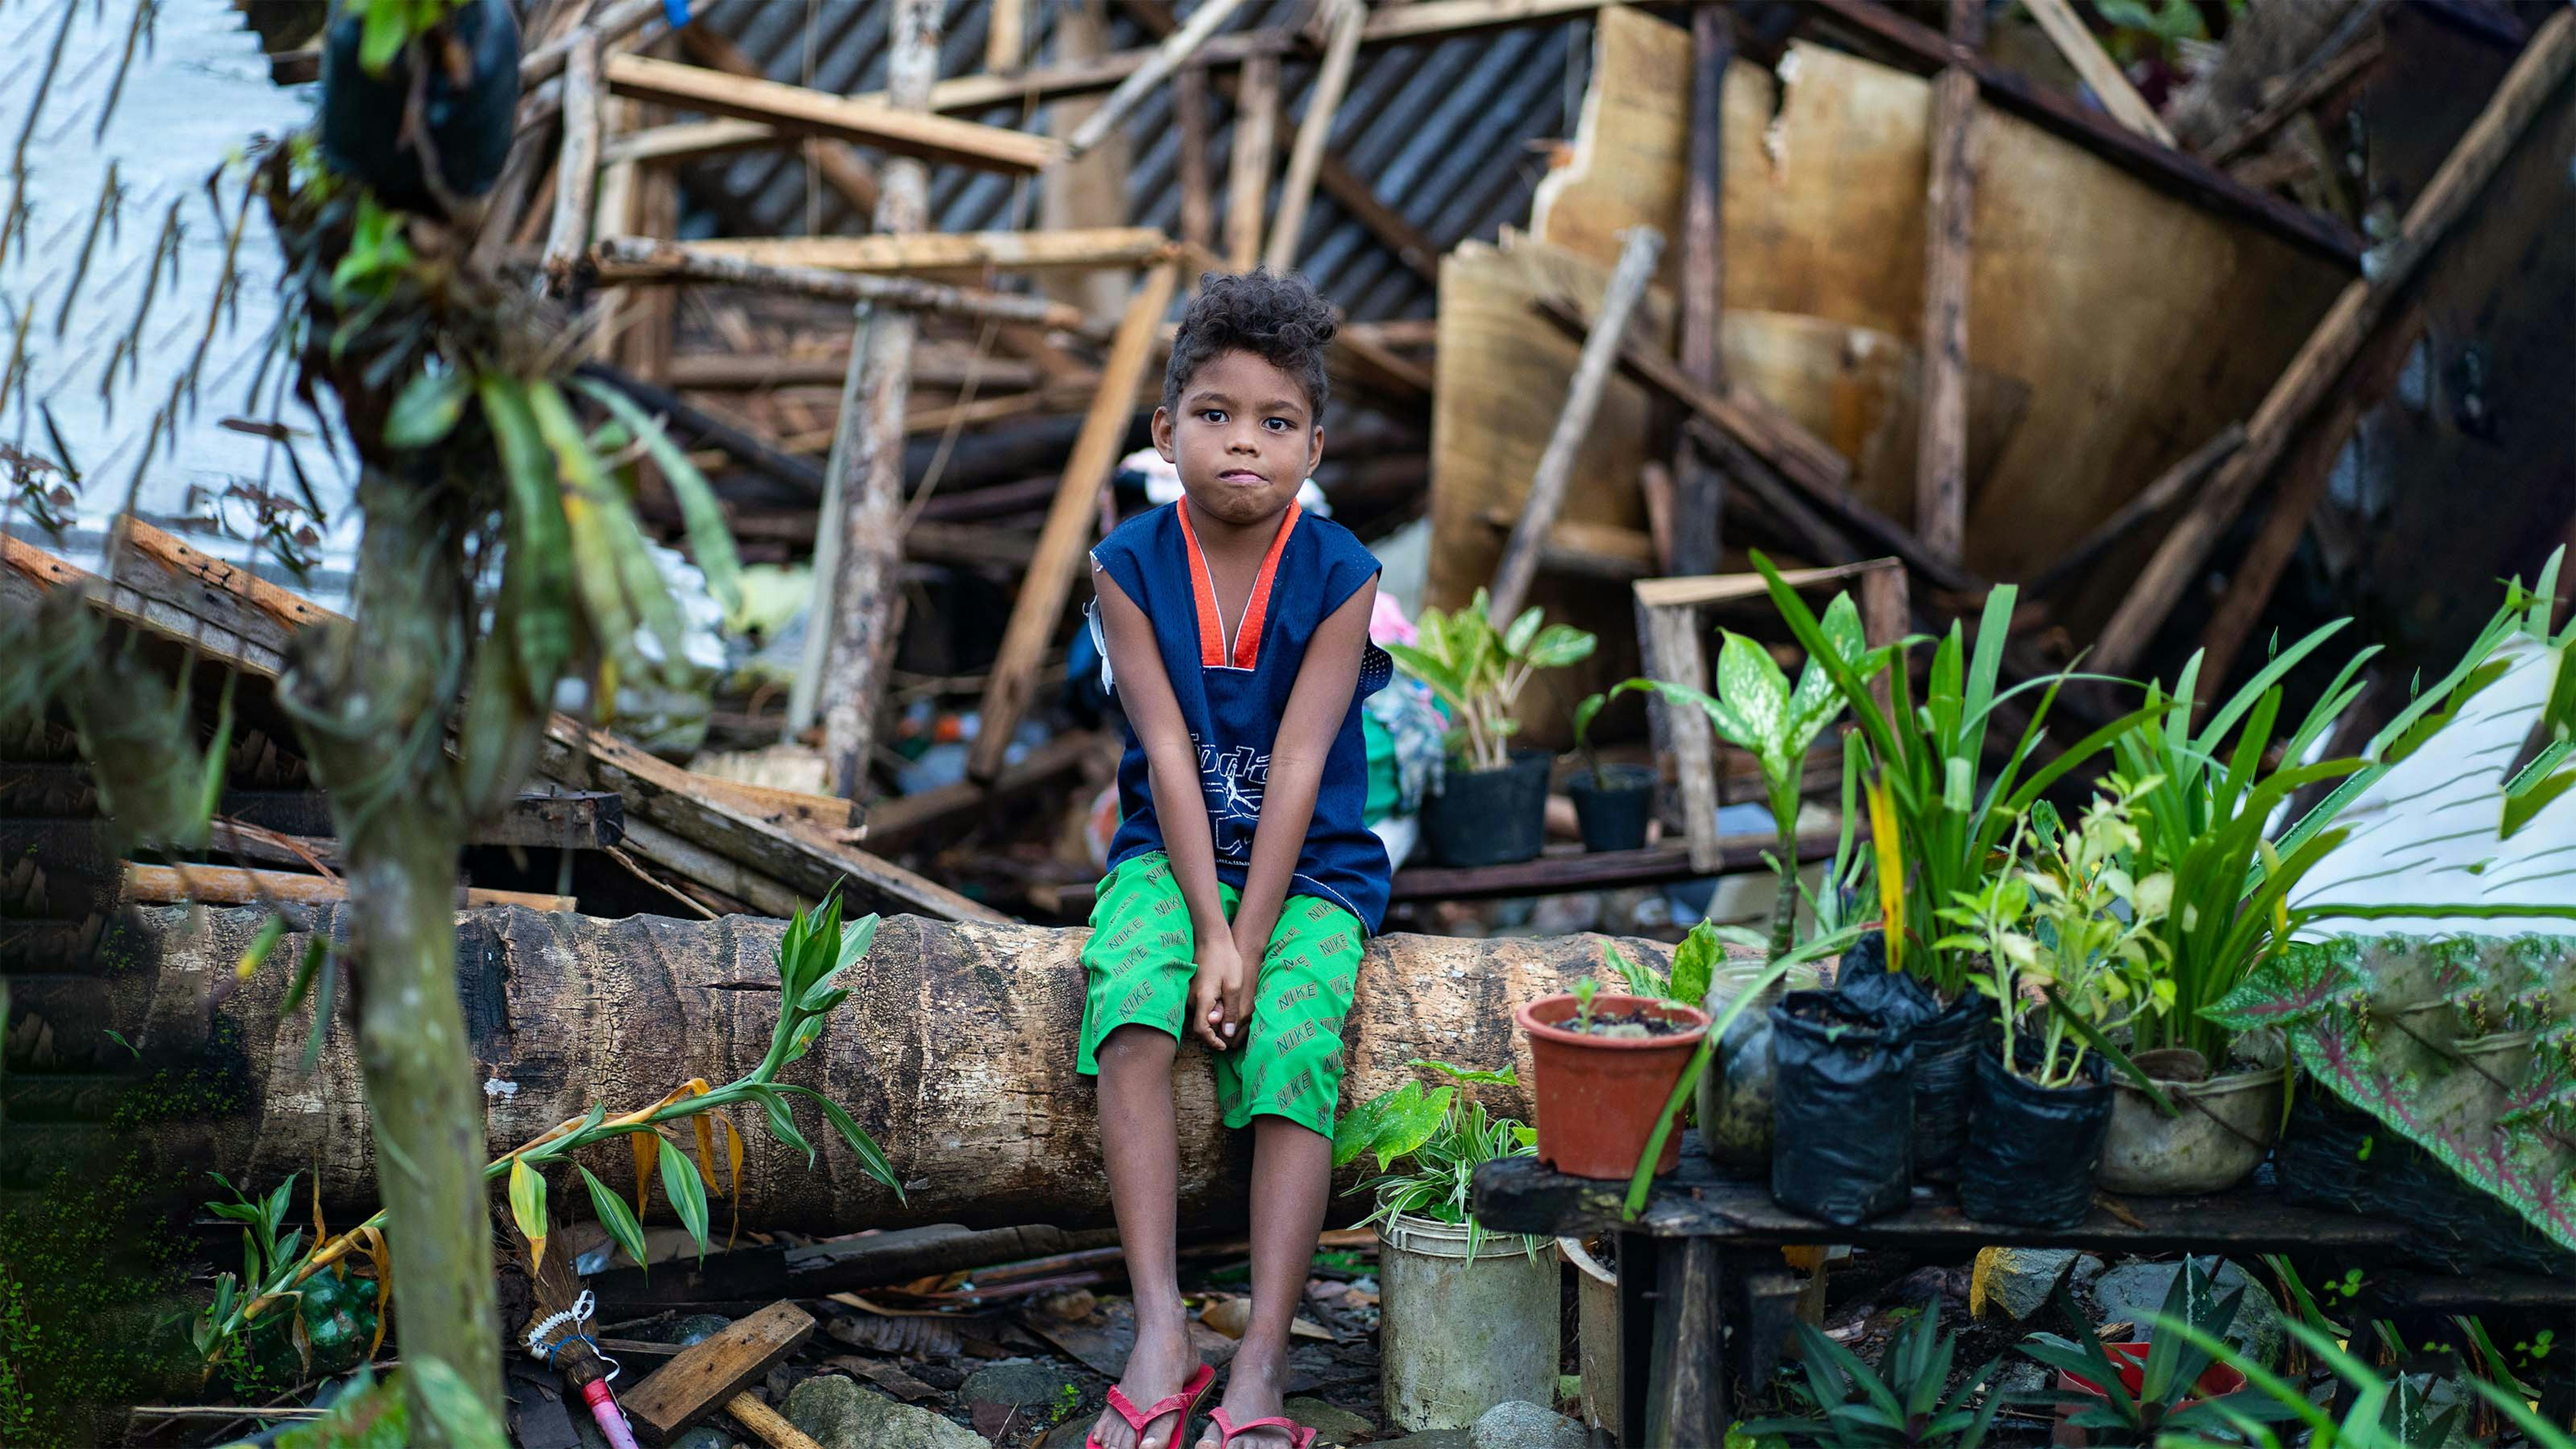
(1241, 882)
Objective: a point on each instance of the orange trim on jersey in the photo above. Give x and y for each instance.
(1244, 650)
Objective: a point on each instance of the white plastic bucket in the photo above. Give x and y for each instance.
(1458, 1335)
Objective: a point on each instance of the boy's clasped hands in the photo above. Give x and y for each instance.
(1220, 993)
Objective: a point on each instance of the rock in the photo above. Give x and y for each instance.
(2015, 1282)
(1024, 1385)
(2136, 1292)
(1332, 1425)
(1519, 1425)
(1070, 1433)
(2024, 1377)
(1430, 1439)
(2087, 1270)
(841, 1415)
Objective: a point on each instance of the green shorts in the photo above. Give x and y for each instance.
(1138, 965)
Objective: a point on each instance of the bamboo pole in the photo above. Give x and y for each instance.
(1167, 57)
(627, 259)
(1247, 177)
(577, 165)
(1190, 118)
(1306, 157)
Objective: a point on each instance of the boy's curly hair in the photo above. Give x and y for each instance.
(1282, 320)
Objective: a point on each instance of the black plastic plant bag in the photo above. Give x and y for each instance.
(1946, 1040)
(2031, 1150)
(1841, 1144)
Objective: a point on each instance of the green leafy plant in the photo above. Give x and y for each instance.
(1937, 834)
(2383, 1413)
(1584, 714)
(1584, 991)
(2168, 1396)
(1440, 1136)
(813, 953)
(1898, 1404)
(1695, 963)
(1756, 709)
(1478, 672)
(386, 26)
(2072, 927)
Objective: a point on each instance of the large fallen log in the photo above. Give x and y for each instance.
(955, 1050)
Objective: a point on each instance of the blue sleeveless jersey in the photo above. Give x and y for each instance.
(1232, 691)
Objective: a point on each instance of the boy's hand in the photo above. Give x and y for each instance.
(1214, 991)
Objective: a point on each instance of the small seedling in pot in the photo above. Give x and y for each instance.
(1583, 714)
(1584, 991)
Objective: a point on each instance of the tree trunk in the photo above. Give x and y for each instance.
(955, 1051)
(361, 690)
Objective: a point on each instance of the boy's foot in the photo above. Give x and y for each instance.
(1159, 1366)
(1252, 1391)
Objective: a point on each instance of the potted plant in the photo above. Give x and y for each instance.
(1603, 1065)
(1935, 833)
(1468, 1318)
(404, 79)
(1612, 802)
(1898, 1405)
(2069, 947)
(1491, 808)
(2162, 1382)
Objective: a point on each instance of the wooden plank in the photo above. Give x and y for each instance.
(897, 821)
(708, 1373)
(798, 109)
(1051, 574)
(2317, 82)
(1195, 179)
(2162, 166)
(1413, 246)
(2301, 487)
(232, 885)
(2109, 84)
(577, 164)
(1167, 57)
(1247, 177)
(1306, 156)
(1941, 451)
(689, 141)
(1583, 401)
(1737, 588)
(1598, 550)
(1672, 648)
(1686, 1387)
(1560, 872)
(1006, 36)
(841, 166)
(1697, 529)
(613, 22)
(2348, 326)
(639, 260)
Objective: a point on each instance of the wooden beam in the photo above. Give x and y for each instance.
(1627, 287)
(715, 1372)
(798, 109)
(1941, 437)
(2065, 30)
(614, 22)
(735, 372)
(1697, 525)
(1306, 157)
(2164, 167)
(894, 823)
(1050, 578)
(2347, 326)
(1003, 251)
(2169, 488)
(840, 165)
(2305, 91)
(638, 260)
(1196, 179)
(2302, 486)
(232, 885)
(689, 140)
(1247, 177)
(1006, 36)
(577, 164)
(1167, 57)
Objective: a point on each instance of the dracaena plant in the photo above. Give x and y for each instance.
(2066, 937)
(1479, 671)
(2168, 1399)
(1938, 833)
(1756, 710)
(1440, 1137)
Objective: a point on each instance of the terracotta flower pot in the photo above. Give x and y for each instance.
(2216, 1381)
(1598, 1098)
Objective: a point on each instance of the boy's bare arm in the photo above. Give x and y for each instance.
(1317, 704)
(1180, 804)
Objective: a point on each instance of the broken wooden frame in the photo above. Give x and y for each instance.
(1672, 648)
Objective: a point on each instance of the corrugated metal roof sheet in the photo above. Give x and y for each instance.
(1441, 128)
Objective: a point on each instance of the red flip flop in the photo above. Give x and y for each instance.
(1299, 1436)
(1184, 1403)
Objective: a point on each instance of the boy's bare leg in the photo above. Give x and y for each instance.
(1292, 1175)
(1140, 1145)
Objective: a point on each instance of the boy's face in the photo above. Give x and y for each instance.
(1243, 438)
